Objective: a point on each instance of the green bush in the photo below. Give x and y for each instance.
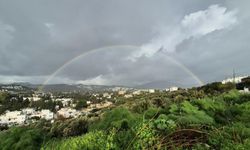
(244, 114)
(20, 138)
(165, 124)
(151, 113)
(186, 114)
(72, 127)
(233, 97)
(146, 137)
(117, 118)
(95, 140)
(141, 106)
(235, 136)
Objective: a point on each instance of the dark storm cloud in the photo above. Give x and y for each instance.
(37, 37)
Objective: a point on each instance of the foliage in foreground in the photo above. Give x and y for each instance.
(21, 138)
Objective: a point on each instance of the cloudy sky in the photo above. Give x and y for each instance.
(124, 42)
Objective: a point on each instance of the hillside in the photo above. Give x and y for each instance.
(208, 117)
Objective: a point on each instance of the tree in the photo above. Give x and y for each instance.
(81, 104)
(3, 97)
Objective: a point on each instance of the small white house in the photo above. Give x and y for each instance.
(122, 92)
(246, 90)
(28, 111)
(68, 112)
(46, 114)
(35, 98)
(172, 89)
(151, 90)
(88, 102)
(137, 92)
(107, 95)
(128, 95)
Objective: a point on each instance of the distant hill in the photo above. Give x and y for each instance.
(85, 88)
(157, 85)
(63, 87)
(15, 88)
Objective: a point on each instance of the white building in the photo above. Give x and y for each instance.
(137, 92)
(128, 95)
(34, 98)
(88, 102)
(47, 114)
(68, 113)
(122, 92)
(24, 116)
(28, 111)
(65, 101)
(172, 89)
(107, 95)
(246, 90)
(100, 105)
(151, 90)
(43, 114)
(13, 118)
(95, 95)
(233, 80)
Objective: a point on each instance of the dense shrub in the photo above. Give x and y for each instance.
(95, 140)
(186, 113)
(72, 127)
(21, 138)
(141, 106)
(117, 118)
(151, 113)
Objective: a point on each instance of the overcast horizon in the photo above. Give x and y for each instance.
(130, 43)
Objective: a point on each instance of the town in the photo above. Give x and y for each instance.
(25, 106)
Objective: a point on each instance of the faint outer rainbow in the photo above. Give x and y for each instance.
(179, 64)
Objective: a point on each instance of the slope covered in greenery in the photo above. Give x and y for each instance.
(177, 120)
(220, 122)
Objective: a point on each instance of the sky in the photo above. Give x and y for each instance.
(124, 42)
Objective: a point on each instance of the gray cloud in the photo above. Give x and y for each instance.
(36, 38)
(194, 25)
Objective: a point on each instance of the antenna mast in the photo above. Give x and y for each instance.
(234, 75)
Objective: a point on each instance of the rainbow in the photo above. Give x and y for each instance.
(174, 61)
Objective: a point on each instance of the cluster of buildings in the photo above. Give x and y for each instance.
(25, 116)
(29, 115)
(131, 93)
(11, 87)
(37, 97)
(68, 112)
(172, 89)
(237, 80)
(233, 80)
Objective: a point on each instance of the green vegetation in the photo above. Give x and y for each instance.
(15, 102)
(11, 102)
(80, 103)
(21, 138)
(46, 104)
(185, 119)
